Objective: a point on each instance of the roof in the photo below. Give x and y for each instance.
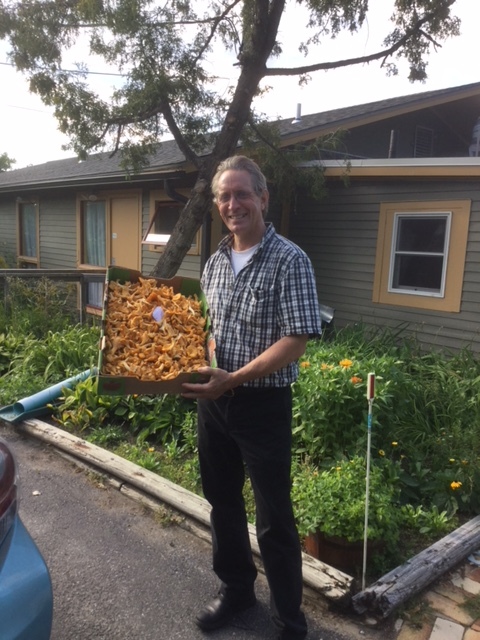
(320, 123)
(103, 168)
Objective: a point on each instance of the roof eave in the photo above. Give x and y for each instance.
(401, 167)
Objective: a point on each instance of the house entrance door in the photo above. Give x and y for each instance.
(125, 232)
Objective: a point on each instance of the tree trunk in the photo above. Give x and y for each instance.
(405, 581)
(200, 203)
(191, 219)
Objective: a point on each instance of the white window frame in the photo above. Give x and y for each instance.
(399, 216)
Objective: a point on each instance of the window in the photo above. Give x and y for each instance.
(420, 255)
(27, 234)
(93, 233)
(423, 147)
(165, 217)
(93, 245)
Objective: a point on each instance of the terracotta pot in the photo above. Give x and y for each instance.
(338, 552)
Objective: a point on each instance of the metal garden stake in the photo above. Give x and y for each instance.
(370, 397)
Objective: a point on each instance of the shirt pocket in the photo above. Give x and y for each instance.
(260, 307)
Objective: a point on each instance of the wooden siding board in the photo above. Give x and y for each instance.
(8, 226)
(58, 233)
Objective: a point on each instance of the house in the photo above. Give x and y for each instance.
(398, 243)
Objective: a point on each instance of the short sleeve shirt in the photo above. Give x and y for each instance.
(273, 296)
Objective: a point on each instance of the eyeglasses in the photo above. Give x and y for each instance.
(240, 196)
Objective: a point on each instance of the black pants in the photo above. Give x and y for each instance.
(252, 428)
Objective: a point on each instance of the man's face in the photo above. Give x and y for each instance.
(241, 209)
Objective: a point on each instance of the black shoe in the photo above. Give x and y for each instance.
(220, 611)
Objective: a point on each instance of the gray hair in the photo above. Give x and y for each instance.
(241, 163)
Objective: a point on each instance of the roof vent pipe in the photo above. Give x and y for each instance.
(298, 117)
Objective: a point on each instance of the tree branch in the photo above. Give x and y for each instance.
(215, 23)
(183, 145)
(385, 53)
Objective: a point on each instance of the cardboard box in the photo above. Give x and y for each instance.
(125, 385)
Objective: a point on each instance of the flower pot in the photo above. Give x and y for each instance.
(338, 552)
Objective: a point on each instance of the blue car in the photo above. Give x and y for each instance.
(26, 598)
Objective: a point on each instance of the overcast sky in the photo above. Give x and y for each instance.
(29, 131)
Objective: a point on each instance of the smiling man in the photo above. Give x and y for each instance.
(263, 305)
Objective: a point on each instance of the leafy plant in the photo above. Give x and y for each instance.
(11, 345)
(148, 419)
(333, 501)
(432, 523)
(330, 408)
(38, 305)
(424, 413)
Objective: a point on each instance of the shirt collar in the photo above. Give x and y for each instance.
(225, 243)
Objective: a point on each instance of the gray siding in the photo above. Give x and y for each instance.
(8, 230)
(340, 235)
(58, 233)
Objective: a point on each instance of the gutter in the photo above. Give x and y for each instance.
(399, 167)
(88, 180)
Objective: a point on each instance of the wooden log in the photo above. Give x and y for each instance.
(328, 581)
(400, 584)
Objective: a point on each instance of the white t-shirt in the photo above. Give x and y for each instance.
(240, 258)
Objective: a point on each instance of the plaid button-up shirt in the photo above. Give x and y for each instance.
(273, 296)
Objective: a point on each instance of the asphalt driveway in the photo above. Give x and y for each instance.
(119, 573)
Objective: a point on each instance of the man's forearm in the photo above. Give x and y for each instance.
(280, 354)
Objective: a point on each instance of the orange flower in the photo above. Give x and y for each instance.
(455, 485)
(305, 364)
(355, 379)
(345, 363)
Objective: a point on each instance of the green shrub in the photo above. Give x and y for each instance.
(166, 419)
(333, 501)
(424, 419)
(38, 305)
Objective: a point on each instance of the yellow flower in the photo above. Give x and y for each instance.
(455, 485)
(381, 452)
(452, 460)
(338, 468)
(345, 363)
(305, 364)
(325, 367)
(355, 379)
(151, 449)
(394, 444)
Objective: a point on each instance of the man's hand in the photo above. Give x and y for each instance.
(219, 382)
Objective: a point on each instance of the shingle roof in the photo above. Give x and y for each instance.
(95, 168)
(168, 158)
